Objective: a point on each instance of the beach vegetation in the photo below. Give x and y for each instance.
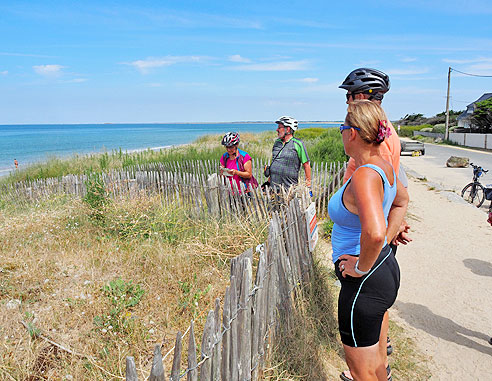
(96, 197)
(107, 289)
(417, 119)
(322, 144)
(407, 131)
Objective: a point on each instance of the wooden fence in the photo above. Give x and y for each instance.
(190, 184)
(237, 335)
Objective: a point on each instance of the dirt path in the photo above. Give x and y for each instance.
(445, 298)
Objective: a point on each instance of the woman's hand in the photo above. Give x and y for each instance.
(347, 265)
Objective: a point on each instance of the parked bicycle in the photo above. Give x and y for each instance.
(475, 192)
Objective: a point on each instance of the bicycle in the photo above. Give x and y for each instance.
(474, 192)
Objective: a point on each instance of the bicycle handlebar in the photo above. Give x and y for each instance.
(479, 167)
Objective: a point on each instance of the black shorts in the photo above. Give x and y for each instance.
(363, 301)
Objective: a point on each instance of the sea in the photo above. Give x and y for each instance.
(29, 144)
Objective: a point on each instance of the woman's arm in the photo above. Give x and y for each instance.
(248, 170)
(365, 194)
(397, 211)
(307, 172)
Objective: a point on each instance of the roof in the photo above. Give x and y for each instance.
(482, 98)
(470, 108)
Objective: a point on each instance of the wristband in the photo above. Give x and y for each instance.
(360, 272)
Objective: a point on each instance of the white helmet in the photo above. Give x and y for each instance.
(288, 121)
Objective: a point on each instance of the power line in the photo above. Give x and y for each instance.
(473, 75)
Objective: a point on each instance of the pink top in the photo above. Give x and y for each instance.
(232, 164)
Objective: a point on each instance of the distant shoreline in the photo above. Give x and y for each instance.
(7, 171)
(167, 123)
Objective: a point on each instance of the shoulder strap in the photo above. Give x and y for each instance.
(225, 156)
(278, 153)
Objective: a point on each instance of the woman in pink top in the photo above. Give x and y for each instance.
(237, 164)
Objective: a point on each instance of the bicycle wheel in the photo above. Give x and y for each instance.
(474, 194)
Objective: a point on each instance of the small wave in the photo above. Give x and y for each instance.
(5, 171)
(155, 148)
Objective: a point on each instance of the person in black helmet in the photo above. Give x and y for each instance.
(373, 84)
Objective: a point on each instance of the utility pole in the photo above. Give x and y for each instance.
(446, 136)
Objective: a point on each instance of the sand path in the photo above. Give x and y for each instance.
(445, 298)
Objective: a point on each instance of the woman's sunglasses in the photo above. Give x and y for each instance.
(342, 127)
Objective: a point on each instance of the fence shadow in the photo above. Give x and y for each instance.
(479, 267)
(423, 318)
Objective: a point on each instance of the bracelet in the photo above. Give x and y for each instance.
(360, 272)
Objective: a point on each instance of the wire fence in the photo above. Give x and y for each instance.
(241, 327)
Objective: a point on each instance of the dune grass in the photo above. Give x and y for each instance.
(108, 286)
(322, 144)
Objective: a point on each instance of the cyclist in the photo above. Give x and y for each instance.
(236, 163)
(288, 154)
(366, 211)
(372, 84)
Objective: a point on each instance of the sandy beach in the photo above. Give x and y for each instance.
(445, 300)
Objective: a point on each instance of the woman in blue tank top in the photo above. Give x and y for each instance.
(367, 211)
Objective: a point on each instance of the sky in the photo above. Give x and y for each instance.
(223, 61)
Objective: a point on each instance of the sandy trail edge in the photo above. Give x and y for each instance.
(445, 298)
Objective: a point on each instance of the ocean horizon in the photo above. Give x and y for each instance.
(32, 143)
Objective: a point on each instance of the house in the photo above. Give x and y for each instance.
(464, 118)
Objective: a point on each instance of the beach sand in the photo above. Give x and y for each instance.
(445, 298)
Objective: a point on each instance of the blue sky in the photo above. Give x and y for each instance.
(212, 61)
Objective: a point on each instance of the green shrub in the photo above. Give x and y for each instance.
(310, 133)
(439, 128)
(122, 296)
(96, 197)
(407, 131)
(327, 227)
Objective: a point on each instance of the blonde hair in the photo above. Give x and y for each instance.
(367, 116)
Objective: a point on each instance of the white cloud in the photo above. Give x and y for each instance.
(484, 68)
(238, 58)
(368, 63)
(407, 71)
(274, 66)
(309, 80)
(5, 72)
(76, 80)
(48, 70)
(144, 66)
(467, 61)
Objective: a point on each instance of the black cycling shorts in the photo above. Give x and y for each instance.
(363, 301)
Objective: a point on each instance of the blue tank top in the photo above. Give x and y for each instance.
(345, 237)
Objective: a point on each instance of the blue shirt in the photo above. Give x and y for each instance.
(345, 236)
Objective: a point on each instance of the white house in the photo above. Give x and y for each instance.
(464, 118)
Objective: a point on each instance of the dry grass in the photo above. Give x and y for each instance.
(309, 346)
(57, 266)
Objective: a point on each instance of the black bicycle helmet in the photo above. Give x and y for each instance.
(365, 80)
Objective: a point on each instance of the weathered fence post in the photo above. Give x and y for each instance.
(207, 343)
(131, 369)
(157, 372)
(177, 358)
(192, 372)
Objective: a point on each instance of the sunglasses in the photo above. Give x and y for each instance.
(342, 127)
